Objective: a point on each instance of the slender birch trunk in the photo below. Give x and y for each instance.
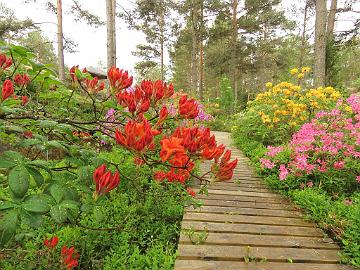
(60, 41)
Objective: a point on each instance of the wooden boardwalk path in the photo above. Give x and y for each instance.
(244, 226)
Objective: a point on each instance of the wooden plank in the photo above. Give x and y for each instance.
(243, 219)
(273, 254)
(228, 265)
(243, 193)
(230, 239)
(242, 198)
(254, 205)
(239, 188)
(258, 229)
(247, 211)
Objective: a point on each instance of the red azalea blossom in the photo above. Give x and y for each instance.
(24, 100)
(73, 75)
(136, 136)
(191, 192)
(119, 79)
(52, 242)
(93, 85)
(105, 181)
(188, 108)
(5, 62)
(7, 90)
(69, 257)
(28, 134)
(171, 146)
(21, 80)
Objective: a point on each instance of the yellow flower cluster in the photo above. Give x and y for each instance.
(288, 104)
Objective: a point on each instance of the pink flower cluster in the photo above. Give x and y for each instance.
(324, 145)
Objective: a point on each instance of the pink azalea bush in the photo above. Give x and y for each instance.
(324, 152)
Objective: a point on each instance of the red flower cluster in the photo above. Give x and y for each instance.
(148, 93)
(93, 85)
(21, 79)
(136, 136)
(119, 79)
(7, 90)
(174, 175)
(191, 192)
(188, 108)
(69, 257)
(73, 76)
(52, 242)
(224, 170)
(104, 180)
(5, 62)
(187, 144)
(24, 100)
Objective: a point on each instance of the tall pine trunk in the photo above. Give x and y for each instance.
(303, 35)
(162, 34)
(233, 50)
(194, 53)
(201, 53)
(320, 43)
(110, 31)
(60, 41)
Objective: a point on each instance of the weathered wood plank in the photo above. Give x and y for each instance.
(243, 198)
(243, 193)
(232, 239)
(275, 254)
(228, 265)
(254, 205)
(247, 211)
(259, 229)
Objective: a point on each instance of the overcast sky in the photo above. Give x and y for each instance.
(91, 41)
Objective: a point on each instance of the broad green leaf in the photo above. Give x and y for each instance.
(47, 123)
(13, 156)
(29, 142)
(19, 181)
(57, 192)
(8, 225)
(5, 164)
(39, 179)
(55, 144)
(4, 205)
(32, 219)
(70, 205)
(36, 204)
(58, 213)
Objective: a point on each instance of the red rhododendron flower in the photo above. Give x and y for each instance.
(188, 108)
(69, 257)
(72, 73)
(119, 78)
(28, 134)
(171, 146)
(136, 136)
(24, 100)
(5, 62)
(105, 181)
(52, 242)
(191, 192)
(93, 85)
(21, 80)
(7, 90)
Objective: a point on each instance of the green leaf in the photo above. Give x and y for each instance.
(39, 179)
(8, 225)
(19, 181)
(34, 220)
(7, 205)
(29, 142)
(70, 205)
(5, 164)
(36, 204)
(47, 123)
(57, 192)
(55, 144)
(58, 213)
(14, 157)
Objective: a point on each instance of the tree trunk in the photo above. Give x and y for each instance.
(113, 18)
(60, 41)
(303, 36)
(320, 43)
(201, 56)
(331, 19)
(194, 77)
(233, 53)
(110, 28)
(162, 34)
